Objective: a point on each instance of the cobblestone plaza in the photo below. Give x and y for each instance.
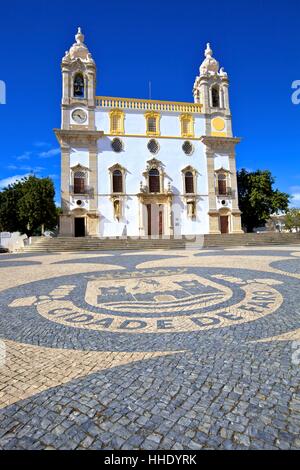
(151, 350)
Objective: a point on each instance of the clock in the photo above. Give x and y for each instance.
(79, 116)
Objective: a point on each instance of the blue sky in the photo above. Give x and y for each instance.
(133, 42)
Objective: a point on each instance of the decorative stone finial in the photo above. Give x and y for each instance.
(210, 65)
(79, 37)
(208, 51)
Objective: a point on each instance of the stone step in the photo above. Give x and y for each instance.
(64, 244)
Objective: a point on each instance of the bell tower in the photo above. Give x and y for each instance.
(78, 138)
(78, 86)
(211, 90)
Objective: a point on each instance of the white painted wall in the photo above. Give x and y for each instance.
(134, 158)
(79, 156)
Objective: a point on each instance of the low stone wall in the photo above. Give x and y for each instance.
(13, 241)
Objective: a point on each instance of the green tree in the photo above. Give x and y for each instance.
(292, 219)
(9, 198)
(28, 204)
(258, 199)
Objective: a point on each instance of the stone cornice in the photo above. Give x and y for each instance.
(67, 137)
(220, 142)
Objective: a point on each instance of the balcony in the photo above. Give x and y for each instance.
(87, 191)
(228, 192)
(147, 105)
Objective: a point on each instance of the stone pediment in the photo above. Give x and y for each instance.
(79, 167)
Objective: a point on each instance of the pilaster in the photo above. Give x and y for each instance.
(65, 178)
(93, 153)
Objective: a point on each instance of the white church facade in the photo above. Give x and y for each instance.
(138, 167)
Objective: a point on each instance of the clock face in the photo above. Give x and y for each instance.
(79, 116)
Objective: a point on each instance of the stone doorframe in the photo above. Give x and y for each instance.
(67, 223)
(157, 199)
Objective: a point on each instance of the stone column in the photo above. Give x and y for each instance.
(232, 169)
(212, 204)
(93, 177)
(236, 222)
(65, 179)
(93, 219)
(66, 225)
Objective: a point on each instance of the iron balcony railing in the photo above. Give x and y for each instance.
(86, 191)
(228, 192)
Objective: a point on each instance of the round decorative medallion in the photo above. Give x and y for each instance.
(187, 147)
(218, 124)
(117, 145)
(153, 146)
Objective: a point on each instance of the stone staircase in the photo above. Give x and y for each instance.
(251, 239)
(71, 244)
(60, 244)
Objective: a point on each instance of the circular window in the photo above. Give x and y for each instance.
(187, 147)
(153, 146)
(223, 202)
(79, 202)
(117, 145)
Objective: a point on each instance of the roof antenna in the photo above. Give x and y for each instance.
(150, 90)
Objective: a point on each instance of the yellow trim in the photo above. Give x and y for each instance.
(120, 114)
(190, 119)
(160, 136)
(147, 105)
(219, 134)
(156, 116)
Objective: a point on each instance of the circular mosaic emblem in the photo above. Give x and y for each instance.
(156, 301)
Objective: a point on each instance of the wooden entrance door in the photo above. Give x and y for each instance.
(224, 223)
(79, 227)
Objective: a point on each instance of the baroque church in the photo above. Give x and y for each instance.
(137, 168)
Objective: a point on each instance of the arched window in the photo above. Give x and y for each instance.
(154, 185)
(222, 185)
(79, 182)
(78, 89)
(189, 182)
(117, 181)
(215, 96)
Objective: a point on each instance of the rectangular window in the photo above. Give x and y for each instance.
(222, 187)
(116, 123)
(186, 127)
(79, 185)
(151, 122)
